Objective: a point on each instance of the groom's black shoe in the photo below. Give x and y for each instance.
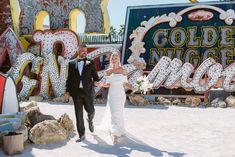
(81, 138)
(91, 126)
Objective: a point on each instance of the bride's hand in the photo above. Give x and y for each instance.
(97, 84)
(134, 89)
(106, 85)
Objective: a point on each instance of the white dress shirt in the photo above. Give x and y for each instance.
(80, 68)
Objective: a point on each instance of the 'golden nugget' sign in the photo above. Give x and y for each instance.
(187, 45)
(189, 32)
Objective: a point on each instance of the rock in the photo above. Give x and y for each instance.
(138, 100)
(35, 116)
(29, 120)
(59, 99)
(163, 101)
(97, 101)
(103, 101)
(230, 100)
(100, 101)
(203, 105)
(192, 101)
(177, 102)
(48, 131)
(222, 104)
(218, 102)
(29, 106)
(214, 103)
(66, 123)
(43, 117)
(36, 98)
(152, 102)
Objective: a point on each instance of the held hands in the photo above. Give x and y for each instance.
(106, 85)
(102, 84)
(97, 84)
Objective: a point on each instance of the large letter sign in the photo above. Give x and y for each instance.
(189, 32)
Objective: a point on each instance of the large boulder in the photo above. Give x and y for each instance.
(35, 116)
(66, 123)
(230, 100)
(192, 101)
(138, 100)
(48, 131)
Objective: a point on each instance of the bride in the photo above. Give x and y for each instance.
(116, 81)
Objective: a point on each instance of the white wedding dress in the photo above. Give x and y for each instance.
(113, 120)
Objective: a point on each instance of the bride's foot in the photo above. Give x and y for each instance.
(116, 139)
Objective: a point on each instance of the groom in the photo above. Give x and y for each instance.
(79, 85)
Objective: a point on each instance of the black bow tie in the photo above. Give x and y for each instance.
(81, 60)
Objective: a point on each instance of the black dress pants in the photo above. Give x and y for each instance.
(82, 99)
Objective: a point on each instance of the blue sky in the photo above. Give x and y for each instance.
(117, 8)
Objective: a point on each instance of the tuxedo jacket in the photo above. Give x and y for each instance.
(88, 76)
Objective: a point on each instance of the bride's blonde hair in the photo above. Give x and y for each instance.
(116, 53)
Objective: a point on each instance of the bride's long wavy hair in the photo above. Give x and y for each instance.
(116, 53)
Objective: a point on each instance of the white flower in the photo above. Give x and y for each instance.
(146, 85)
(143, 84)
(87, 62)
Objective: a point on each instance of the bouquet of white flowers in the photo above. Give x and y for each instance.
(143, 84)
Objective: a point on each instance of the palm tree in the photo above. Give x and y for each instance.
(121, 30)
(113, 33)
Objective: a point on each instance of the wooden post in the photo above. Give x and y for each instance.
(206, 94)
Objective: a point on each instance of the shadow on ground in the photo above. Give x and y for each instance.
(124, 149)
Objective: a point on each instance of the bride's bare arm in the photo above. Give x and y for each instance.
(126, 84)
(104, 84)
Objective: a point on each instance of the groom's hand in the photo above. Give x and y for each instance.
(106, 85)
(66, 97)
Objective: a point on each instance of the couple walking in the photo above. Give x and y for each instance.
(82, 76)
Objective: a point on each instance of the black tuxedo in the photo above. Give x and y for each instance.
(82, 96)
